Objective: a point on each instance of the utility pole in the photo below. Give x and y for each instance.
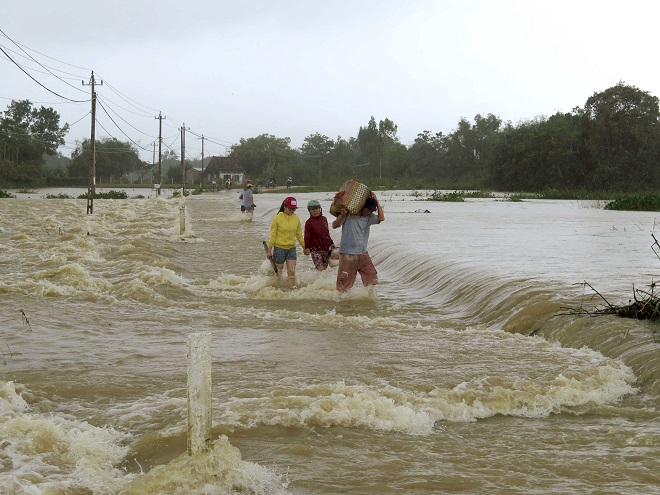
(153, 163)
(183, 160)
(201, 180)
(160, 155)
(91, 183)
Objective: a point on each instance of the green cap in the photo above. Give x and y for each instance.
(313, 204)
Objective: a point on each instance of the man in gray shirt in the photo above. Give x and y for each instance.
(247, 205)
(353, 255)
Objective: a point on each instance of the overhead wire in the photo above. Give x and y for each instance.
(73, 77)
(175, 138)
(212, 139)
(120, 129)
(42, 54)
(43, 86)
(108, 149)
(108, 102)
(40, 64)
(143, 114)
(71, 125)
(125, 121)
(126, 98)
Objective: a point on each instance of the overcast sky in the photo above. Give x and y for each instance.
(232, 70)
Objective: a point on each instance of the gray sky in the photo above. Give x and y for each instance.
(293, 68)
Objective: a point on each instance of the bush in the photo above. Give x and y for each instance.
(454, 197)
(636, 202)
(107, 195)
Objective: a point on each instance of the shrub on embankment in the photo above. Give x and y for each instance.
(636, 202)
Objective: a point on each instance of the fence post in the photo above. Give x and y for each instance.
(199, 393)
(182, 219)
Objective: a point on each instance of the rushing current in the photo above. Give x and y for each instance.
(467, 371)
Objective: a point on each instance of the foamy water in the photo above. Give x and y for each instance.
(428, 385)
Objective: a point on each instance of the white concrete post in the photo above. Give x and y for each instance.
(199, 393)
(182, 219)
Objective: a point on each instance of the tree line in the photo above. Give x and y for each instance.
(612, 143)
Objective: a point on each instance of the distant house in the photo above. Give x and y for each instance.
(194, 175)
(223, 168)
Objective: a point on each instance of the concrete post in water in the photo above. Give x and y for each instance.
(182, 219)
(199, 393)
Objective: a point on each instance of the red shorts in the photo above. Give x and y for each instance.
(352, 264)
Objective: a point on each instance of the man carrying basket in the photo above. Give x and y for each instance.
(353, 255)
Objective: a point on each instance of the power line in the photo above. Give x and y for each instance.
(213, 140)
(120, 129)
(43, 55)
(33, 59)
(125, 98)
(30, 76)
(141, 132)
(142, 114)
(73, 76)
(71, 125)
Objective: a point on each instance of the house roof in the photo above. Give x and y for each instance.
(224, 164)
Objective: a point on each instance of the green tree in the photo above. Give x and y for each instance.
(114, 159)
(264, 154)
(513, 159)
(425, 157)
(468, 150)
(55, 165)
(26, 134)
(375, 142)
(174, 170)
(345, 160)
(540, 154)
(316, 145)
(621, 129)
(391, 151)
(563, 162)
(316, 148)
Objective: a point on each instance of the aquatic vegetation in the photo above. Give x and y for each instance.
(107, 195)
(453, 197)
(457, 196)
(636, 202)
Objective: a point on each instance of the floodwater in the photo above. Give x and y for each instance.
(466, 372)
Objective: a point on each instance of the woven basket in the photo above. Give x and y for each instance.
(352, 196)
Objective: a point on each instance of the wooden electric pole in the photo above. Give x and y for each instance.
(91, 183)
(160, 154)
(183, 160)
(201, 180)
(153, 163)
